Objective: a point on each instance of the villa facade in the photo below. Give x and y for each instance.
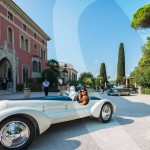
(67, 72)
(23, 45)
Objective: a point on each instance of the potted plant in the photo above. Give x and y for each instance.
(27, 87)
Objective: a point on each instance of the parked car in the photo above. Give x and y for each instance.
(118, 91)
(21, 120)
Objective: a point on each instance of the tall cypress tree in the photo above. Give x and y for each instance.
(103, 73)
(121, 65)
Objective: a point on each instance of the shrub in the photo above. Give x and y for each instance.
(53, 89)
(35, 87)
(19, 87)
(146, 90)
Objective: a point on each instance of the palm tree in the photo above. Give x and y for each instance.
(52, 72)
(53, 65)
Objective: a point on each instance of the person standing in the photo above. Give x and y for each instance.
(102, 89)
(46, 86)
(5, 83)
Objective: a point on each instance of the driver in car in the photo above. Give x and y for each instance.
(72, 93)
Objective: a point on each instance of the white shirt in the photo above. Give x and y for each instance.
(46, 83)
(72, 95)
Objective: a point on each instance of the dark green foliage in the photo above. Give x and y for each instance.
(85, 75)
(52, 73)
(36, 86)
(74, 82)
(121, 65)
(53, 89)
(145, 90)
(19, 87)
(103, 73)
(86, 78)
(141, 74)
(141, 19)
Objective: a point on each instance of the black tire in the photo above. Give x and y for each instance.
(108, 118)
(17, 134)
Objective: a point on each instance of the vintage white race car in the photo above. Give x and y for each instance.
(21, 120)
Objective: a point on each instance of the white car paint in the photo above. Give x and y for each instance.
(51, 111)
(47, 112)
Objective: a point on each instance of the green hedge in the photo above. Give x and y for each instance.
(145, 90)
(53, 89)
(36, 87)
(19, 87)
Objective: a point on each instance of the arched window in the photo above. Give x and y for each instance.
(10, 35)
(39, 67)
(26, 45)
(22, 42)
(34, 66)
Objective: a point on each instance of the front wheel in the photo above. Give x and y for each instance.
(16, 133)
(106, 113)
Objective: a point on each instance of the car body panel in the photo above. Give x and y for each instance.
(39, 116)
(52, 109)
(96, 108)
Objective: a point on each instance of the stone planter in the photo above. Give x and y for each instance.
(26, 93)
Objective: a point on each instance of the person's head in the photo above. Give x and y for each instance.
(72, 89)
(83, 91)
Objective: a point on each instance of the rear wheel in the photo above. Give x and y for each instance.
(106, 113)
(16, 133)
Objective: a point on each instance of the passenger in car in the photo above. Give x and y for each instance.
(83, 97)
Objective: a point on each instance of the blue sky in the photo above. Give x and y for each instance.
(86, 33)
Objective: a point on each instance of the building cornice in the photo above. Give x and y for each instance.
(23, 15)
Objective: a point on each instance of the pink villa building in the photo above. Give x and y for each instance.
(23, 45)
